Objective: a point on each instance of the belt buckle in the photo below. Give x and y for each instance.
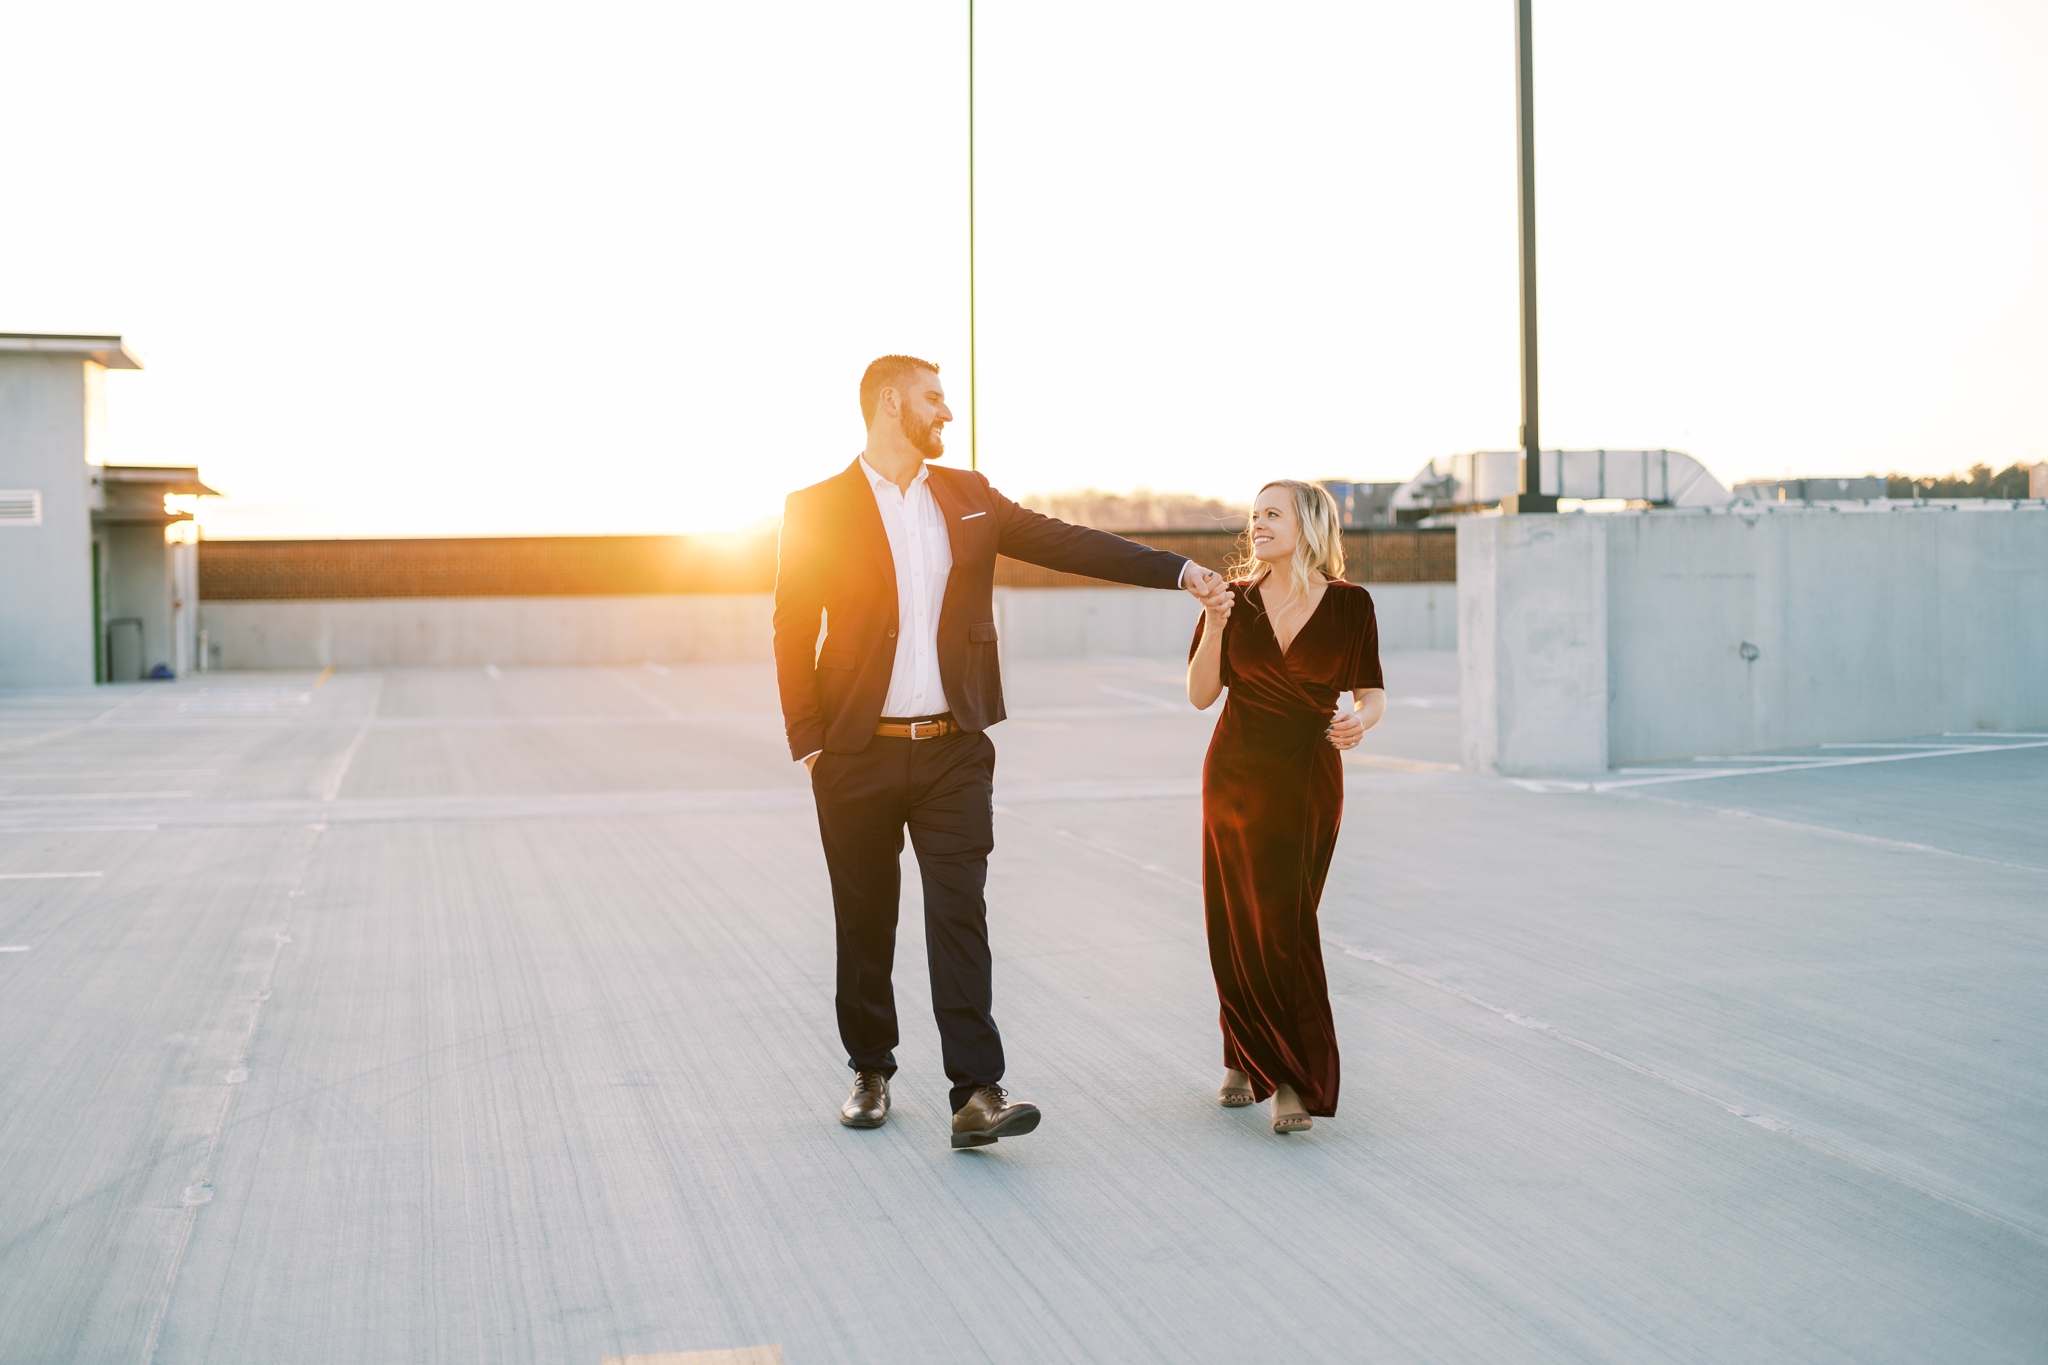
(938, 729)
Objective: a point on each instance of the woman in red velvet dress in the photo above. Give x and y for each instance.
(1292, 638)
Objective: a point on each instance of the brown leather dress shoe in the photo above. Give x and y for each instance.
(990, 1114)
(868, 1105)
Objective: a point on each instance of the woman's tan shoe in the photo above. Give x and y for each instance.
(1292, 1123)
(1235, 1096)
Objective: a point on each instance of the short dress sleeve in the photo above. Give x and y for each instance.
(1362, 666)
(1202, 622)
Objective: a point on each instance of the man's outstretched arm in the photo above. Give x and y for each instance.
(1054, 544)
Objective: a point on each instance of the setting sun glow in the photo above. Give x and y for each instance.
(509, 271)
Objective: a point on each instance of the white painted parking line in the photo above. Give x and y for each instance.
(491, 672)
(1734, 758)
(1888, 746)
(742, 1355)
(1388, 763)
(1156, 703)
(44, 876)
(1765, 1121)
(332, 788)
(113, 771)
(1065, 713)
(244, 700)
(1853, 836)
(81, 829)
(19, 949)
(98, 796)
(1635, 777)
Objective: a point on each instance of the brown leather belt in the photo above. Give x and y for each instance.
(935, 728)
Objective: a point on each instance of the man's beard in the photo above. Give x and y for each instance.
(927, 440)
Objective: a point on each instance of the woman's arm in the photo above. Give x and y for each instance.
(1368, 704)
(1205, 670)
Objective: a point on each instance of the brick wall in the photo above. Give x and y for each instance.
(497, 566)
(627, 566)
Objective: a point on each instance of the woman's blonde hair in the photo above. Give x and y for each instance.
(1321, 545)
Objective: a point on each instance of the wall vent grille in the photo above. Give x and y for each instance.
(21, 507)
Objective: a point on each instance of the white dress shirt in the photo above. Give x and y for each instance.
(924, 558)
(923, 555)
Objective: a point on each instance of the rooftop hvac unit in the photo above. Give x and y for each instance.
(1661, 478)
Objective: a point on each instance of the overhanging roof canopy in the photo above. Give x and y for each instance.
(111, 352)
(159, 478)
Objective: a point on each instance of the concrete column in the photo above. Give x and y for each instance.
(1532, 644)
(184, 560)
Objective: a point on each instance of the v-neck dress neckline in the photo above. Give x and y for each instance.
(1300, 630)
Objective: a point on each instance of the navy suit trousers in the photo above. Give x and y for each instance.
(940, 790)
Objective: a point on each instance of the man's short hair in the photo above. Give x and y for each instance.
(890, 372)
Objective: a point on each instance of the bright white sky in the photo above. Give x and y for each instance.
(429, 268)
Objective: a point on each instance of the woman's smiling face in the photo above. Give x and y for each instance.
(1276, 528)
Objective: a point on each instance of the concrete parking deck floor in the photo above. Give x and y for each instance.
(486, 1016)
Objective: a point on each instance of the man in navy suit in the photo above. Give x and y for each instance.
(895, 559)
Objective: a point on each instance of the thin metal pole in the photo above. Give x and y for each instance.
(973, 365)
(1531, 499)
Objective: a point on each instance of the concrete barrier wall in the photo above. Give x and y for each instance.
(435, 632)
(1064, 623)
(1532, 644)
(1416, 615)
(424, 632)
(1597, 641)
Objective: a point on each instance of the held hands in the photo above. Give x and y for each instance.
(1211, 589)
(1346, 730)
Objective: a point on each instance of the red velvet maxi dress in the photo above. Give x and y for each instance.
(1272, 799)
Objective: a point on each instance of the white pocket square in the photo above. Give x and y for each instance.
(972, 515)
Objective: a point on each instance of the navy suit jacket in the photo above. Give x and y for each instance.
(833, 566)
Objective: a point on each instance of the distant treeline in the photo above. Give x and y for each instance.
(1145, 510)
(1978, 482)
(1141, 510)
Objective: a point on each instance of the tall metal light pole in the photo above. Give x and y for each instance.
(1531, 498)
(973, 368)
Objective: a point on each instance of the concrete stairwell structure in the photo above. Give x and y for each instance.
(51, 413)
(1587, 642)
(89, 591)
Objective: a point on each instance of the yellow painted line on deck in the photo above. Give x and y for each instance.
(744, 1355)
(325, 674)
